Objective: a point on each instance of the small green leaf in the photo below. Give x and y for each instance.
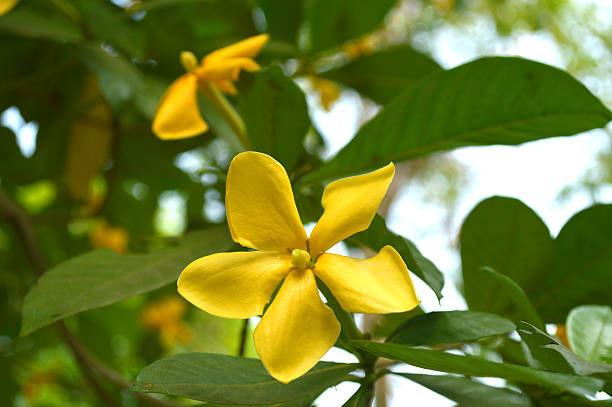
(589, 331)
(232, 380)
(446, 327)
(377, 236)
(475, 366)
(493, 100)
(507, 236)
(358, 399)
(552, 354)
(102, 277)
(332, 22)
(385, 74)
(583, 263)
(467, 392)
(274, 110)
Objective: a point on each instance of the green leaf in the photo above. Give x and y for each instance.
(475, 366)
(102, 277)
(507, 236)
(333, 22)
(274, 110)
(232, 380)
(516, 294)
(358, 399)
(467, 392)
(446, 327)
(283, 18)
(583, 262)
(552, 354)
(28, 23)
(494, 100)
(119, 79)
(377, 236)
(383, 75)
(589, 331)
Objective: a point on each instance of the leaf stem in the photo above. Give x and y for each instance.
(227, 111)
(243, 337)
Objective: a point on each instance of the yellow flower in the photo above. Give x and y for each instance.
(297, 328)
(7, 5)
(165, 316)
(102, 235)
(178, 115)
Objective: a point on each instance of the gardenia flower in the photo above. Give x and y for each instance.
(178, 115)
(297, 329)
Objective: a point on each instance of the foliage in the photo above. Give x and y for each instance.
(86, 327)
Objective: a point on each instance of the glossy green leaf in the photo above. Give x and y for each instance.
(232, 380)
(515, 293)
(505, 235)
(385, 74)
(274, 110)
(30, 23)
(583, 263)
(377, 236)
(589, 331)
(445, 327)
(494, 100)
(467, 392)
(332, 22)
(479, 367)
(553, 355)
(102, 277)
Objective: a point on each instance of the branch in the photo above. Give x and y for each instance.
(22, 223)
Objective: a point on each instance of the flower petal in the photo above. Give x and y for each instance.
(226, 86)
(350, 205)
(178, 115)
(222, 69)
(233, 285)
(248, 48)
(260, 208)
(377, 285)
(297, 329)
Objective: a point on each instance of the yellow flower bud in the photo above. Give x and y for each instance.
(189, 61)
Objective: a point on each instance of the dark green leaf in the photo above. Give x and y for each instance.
(357, 400)
(552, 354)
(103, 277)
(383, 75)
(28, 23)
(446, 327)
(275, 113)
(377, 236)
(283, 18)
(232, 380)
(333, 22)
(495, 100)
(467, 392)
(475, 366)
(589, 330)
(583, 263)
(507, 236)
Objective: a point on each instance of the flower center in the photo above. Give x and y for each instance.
(189, 61)
(300, 259)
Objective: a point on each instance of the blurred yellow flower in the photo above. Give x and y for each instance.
(178, 115)
(102, 235)
(328, 91)
(297, 329)
(7, 5)
(561, 333)
(165, 316)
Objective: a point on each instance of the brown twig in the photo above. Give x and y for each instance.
(22, 224)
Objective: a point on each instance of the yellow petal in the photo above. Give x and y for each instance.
(297, 329)
(227, 86)
(259, 202)
(224, 69)
(248, 48)
(178, 115)
(233, 285)
(377, 285)
(350, 205)
(7, 5)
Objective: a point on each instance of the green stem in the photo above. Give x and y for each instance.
(346, 320)
(227, 111)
